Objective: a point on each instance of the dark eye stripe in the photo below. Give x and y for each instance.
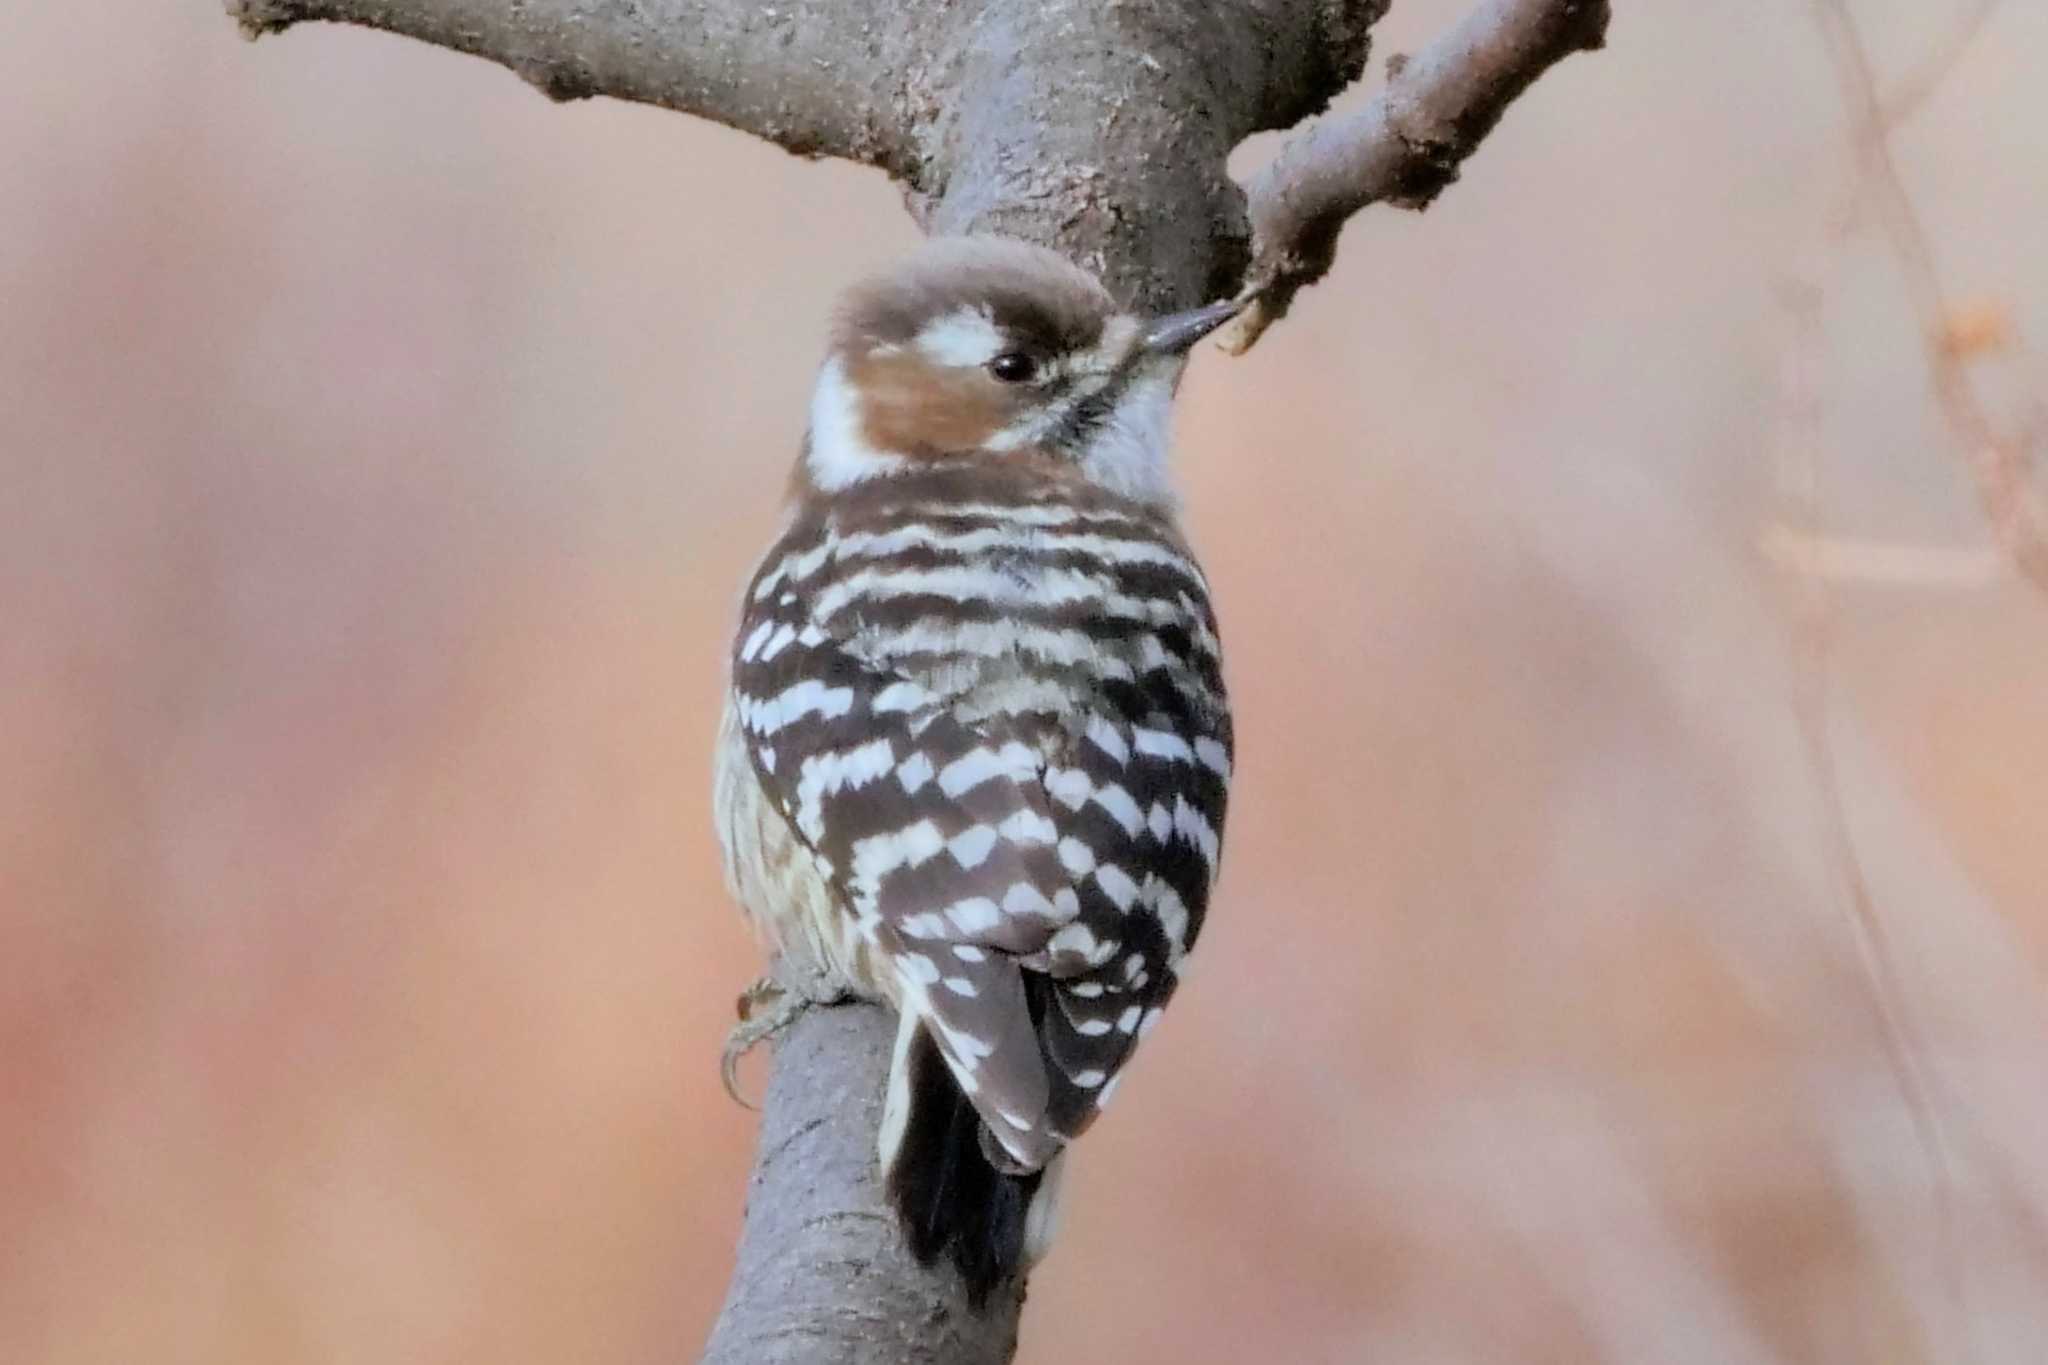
(1089, 411)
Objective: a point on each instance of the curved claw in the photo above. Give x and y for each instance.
(729, 1069)
(765, 1008)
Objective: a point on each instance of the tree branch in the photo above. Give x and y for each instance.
(1103, 129)
(2000, 461)
(822, 1274)
(1404, 147)
(1100, 128)
(816, 77)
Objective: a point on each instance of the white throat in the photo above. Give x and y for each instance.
(1127, 454)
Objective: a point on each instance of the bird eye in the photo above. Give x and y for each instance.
(1013, 367)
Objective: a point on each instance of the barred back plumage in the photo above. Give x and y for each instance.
(975, 757)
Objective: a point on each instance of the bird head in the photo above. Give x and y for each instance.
(984, 348)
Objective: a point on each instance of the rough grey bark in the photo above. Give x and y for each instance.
(822, 1274)
(1101, 128)
(815, 76)
(1095, 126)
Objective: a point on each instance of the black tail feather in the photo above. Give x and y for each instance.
(951, 1200)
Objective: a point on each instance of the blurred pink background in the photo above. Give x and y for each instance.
(383, 448)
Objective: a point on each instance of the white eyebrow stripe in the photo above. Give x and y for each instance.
(964, 337)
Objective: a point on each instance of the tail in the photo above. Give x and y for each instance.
(951, 1200)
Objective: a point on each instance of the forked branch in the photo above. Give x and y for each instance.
(1404, 147)
(1099, 129)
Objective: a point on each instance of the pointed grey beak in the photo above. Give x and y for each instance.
(1174, 333)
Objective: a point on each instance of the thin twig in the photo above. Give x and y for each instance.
(1800, 490)
(1910, 93)
(1998, 461)
(1405, 146)
(1842, 559)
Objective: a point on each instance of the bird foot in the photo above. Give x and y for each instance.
(766, 1008)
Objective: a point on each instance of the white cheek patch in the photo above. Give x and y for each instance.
(966, 338)
(1127, 453)
(839, 454)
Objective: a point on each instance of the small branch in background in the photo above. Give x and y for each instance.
(1404, 147)
(2000, 462)
(1799, 458)
(1909, 93)
(1950, 337)
(1874, 563)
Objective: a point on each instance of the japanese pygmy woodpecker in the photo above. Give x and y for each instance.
(976, 748)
